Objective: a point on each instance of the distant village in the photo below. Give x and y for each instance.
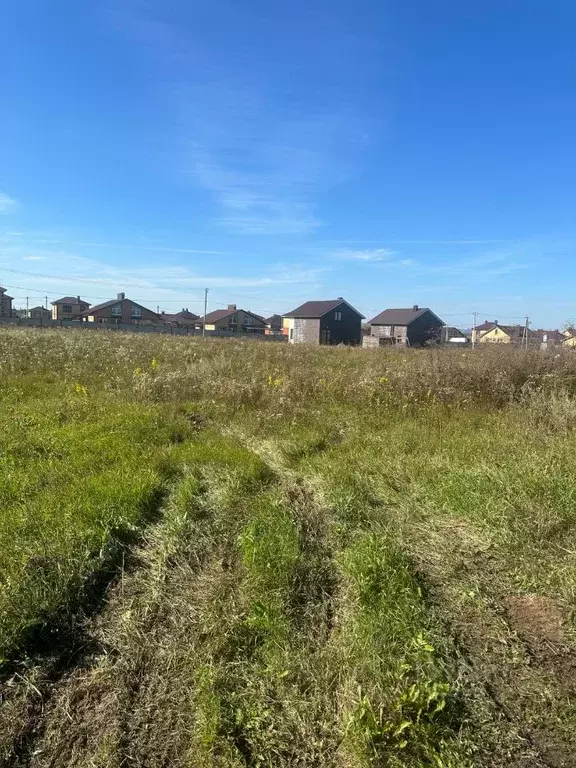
(333, 321)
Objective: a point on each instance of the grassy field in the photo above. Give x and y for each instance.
(235, 553)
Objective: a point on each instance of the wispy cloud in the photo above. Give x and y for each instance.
(263, 160)
(268, 184)
(71, 243)
(368, 255)
(65, 272)
(7, 203)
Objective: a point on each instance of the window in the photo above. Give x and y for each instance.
(136, 313)
(67, 309)
(116, 311)
(248, 320)
(291, 333)
(337, 315)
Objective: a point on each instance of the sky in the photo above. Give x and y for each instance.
(393, 152)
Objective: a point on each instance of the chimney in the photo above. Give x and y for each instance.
(232, 307)
(121, 296)
(79, 299)
(415, 308)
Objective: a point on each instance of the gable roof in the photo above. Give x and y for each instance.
(315, 309)
(274, 320)
(71, 300)
(113, 303)
(513, 331)
(220, 314)
(452, 332)
(35, 309)
(553, 335)
(184, 314)
(401, 316)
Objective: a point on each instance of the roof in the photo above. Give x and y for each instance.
(514, 331)
(453, 332)
(113, 303)
(71, 300)
(220, 314)
(274, 320)
(35, 309)
(554, 335)
(183, 315)
(314, 309)
(403, 316)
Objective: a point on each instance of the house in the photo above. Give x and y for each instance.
(69, 308)
(453, 335)
(569, 339)
(547, 338)
(407, 327)
(40, 313)
(235, 320)
(121, 310)
(323, 322)
(183, 319)
(5, 303)
(504, 334)
(273, 325)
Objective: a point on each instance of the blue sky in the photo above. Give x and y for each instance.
(392, 153)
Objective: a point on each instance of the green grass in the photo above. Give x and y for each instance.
(314, 556)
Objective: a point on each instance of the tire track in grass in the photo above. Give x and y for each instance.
(131, 701)
(389, 681)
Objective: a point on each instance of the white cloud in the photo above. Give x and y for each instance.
(263, 162)
(368, 255)
(65, 272)
(7, 203)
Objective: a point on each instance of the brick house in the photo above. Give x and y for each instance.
(235, 320)
(121, 311)
(40, 313)
(323, 322)
(405, 327)
(273, 325)
(183, 319)
(5, 303)
(69, 308)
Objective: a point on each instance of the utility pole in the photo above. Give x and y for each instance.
(157, 309)
(205, 310)
(27, 312)
(474, 330)
(46, 301)
(526, 332)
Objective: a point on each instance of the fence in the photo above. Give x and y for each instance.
(167, 330)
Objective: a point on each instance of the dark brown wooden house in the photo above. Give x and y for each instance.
(408, 327)
(323, 322)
